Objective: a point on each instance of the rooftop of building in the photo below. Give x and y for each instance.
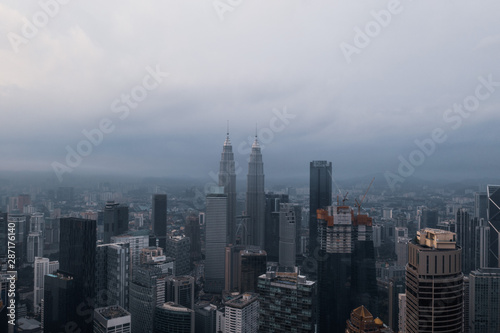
(436, 239)
(242, 300)
(171, 306)
(487, 271)
(111, 312)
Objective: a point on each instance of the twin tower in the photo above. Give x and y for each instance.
(252, 232)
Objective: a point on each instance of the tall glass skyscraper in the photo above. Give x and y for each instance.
(320, 197)
(493, 194)
(255, 197)
(227, 179)
(160, 218)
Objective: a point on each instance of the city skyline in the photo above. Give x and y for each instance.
(290, 74)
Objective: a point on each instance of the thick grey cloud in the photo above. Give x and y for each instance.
(264, 57)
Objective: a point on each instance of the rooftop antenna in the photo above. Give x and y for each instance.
(228, 128)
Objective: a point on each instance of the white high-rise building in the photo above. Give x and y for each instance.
(43, 266)
(242, 314)
(113, 319)
(35, 246)
(138, 240)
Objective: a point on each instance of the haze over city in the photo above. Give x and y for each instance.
(358, 99)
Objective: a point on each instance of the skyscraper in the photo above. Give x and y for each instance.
(287, 235)
(193, 232)
(215, 243)
(252, 265)
(480, 205)
(170, 317)
(320, 197)
(180, 290)
(466, 239)
(115, 220)
(227, 179)
(484, 305)
(493, 194)
(346, 266)
(43, 266)
(232, 267)
(59, 304)
(255, 200)
(429, 218)
(272, 228)
(3, 234)
(77, 258)
(160, 218)
(242, 314)
(434, 283)
(287, 302)
(179, 247)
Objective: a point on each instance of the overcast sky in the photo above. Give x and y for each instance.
(320, 80)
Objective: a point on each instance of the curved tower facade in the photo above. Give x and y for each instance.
(255, 203)
(227, 179)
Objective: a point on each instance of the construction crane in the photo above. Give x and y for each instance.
(358, 204)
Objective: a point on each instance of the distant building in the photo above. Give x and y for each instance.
(112, 319)
(59, 303)
(255, 198)
(289, 227)
(180, 290)
(137, 240)
(115, 220)
(227, 180)
(272, 224)
(493, 194)
(481, 205)
(179, 247)
(484, 300)
(232, 267)
(193, 232)
(242, 314)
(429, 219)
(252, 265)
(159, 217)
(287, 302)
(170, 317)
(434, 283)
(402, 313)
(43, 266)
(205, 318)
(320, 197)
(402, 250)
(215, 242)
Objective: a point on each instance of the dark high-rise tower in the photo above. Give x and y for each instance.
(77, 253)
(272, 220)
(493, 193)
(434, 283)
(115, 220)
(160, 218)
(227, 179)
(320, 197)
(255, 197)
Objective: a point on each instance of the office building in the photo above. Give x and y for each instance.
(34, 246)
(255, 198)
(434, 283)
(159, 217)
(112, 275)
(227, 180)
(112, 319)
(272, 224)
(481, 205)
(170, 317)
(59, 303)
(402, 250)
(252, 265)
(178, 247)
(232, 267)
(115, 220)
(320, 197)
(137, 241)
(347, 259)
(215, 240)
(484, 300)
(77, 258)
(180, 290)
(42, 267)
(147, 291)
(20, 221)
(3, 234)
(402, 313)
(493, 214)
(466, 239)
(205, 318)
(287, 302)
(288, 229)
(242, 314)
(482, 244)
(396, 287)
(193, 232)
(430, 218)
